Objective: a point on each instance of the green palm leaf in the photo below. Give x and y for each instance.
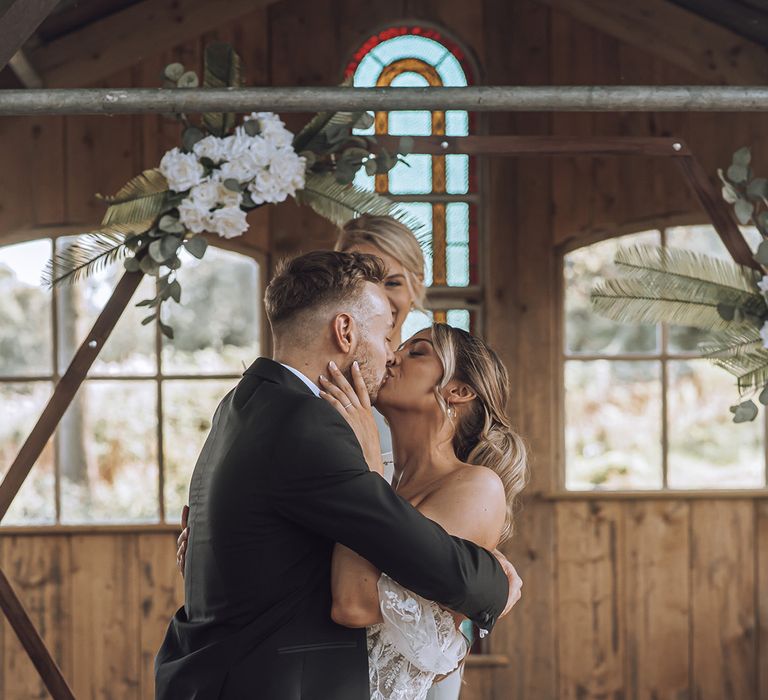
(340, 203)
(87, 255)
(633, 301)
(222, 69)
(732, 343)
(685, 265)
(750, 370)
(148, 183)
(321, 122)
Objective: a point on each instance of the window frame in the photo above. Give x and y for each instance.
(158, 377)
(661, 356)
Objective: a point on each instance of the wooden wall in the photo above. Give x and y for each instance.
(661, 598)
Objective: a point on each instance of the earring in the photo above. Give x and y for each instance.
(451, 412)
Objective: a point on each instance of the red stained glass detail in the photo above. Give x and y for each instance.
(416, 30)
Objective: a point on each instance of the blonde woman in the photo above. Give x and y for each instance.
(460, 463)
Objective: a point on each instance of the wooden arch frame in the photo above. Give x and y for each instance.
(505, 146)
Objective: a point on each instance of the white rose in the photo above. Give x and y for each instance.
(196, 217)
(764, 334)
(229, 222)
(227, 197)
(266, 188)
(182, 170)
(211, 147)
(206, 194)
(237, 144)
(763, 284)
(272, 128)
(289, 170)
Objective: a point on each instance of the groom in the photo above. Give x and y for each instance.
(280, 479)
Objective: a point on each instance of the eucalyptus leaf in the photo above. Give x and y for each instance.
(744, 412)
(364, 121)
(757, 188)
(171, 224)
(231, 184)
(196, 246)
(370, 166)
(337, 133)
(763, 398)
(166, 330)
(188, 80)
(148, 265)
(737, 173)
(173, 263)
(131, 265)
(761, 221)
(175, 291)
(726, 311)
(761, 255)
(743, 210)
(173, 71)
(169, 245)
(743, 156)
(148, 302)
(191, 136)
(252, 127)
(147, 320)
(406, 145)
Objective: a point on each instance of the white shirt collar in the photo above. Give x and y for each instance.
(304, 378)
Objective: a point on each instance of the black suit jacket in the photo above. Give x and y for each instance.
(280, 479)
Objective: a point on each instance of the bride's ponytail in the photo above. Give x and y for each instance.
(483, 434)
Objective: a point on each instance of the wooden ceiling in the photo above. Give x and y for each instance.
(81, 42)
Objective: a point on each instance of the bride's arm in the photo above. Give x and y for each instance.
(471, 505)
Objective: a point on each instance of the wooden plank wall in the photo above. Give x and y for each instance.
(657, 599)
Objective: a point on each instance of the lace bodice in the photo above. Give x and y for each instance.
(416, 642)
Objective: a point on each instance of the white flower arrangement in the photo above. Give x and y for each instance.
(258, 159)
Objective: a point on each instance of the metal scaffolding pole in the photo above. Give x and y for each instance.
(311, 99)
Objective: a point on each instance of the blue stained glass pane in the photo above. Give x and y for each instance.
(409, 46)
(456, 123)
(363, 181)
(414, 322)
(412, 177)
(451, 72)
(414, 123)
(421, 215)
(457, 174)
(459, 318)
(368, 72)
(457, 220)
(457, 249)
(409, 79)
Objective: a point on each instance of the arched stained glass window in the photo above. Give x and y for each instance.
(437, 191)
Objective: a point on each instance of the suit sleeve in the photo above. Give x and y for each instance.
(321, 482)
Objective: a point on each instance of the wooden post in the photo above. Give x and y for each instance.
(32, 642)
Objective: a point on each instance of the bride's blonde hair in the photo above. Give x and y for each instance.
(483, 434)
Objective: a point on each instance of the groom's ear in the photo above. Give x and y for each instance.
(343, 333)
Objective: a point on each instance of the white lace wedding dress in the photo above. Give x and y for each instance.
(416, 641)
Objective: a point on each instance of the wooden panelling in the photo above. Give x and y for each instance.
(590, 611)
(723, 630)
(657, 599)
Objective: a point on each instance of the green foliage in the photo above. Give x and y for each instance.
(222, 69)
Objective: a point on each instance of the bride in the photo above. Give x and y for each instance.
(458, 461)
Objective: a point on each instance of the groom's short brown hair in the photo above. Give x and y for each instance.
(321, 277)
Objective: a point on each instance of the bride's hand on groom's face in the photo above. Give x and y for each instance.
(354, 404)
(181, 543)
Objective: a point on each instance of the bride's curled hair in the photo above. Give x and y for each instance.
(483, 434)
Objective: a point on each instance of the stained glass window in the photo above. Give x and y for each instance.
(125, 448)
(438, 191)
(643, 409)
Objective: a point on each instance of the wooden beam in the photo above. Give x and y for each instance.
(715, 54)
(124, 38)
(32, 642)
(25, 71)
(18, 20)
(66, 389)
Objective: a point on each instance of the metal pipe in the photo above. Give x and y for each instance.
(311, 99)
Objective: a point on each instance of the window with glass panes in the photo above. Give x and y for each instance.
(125, 449)
(439, 192)
(643, 408)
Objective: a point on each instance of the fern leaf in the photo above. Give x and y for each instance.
(143, 211)
(686, 264)
(632, 301)
(750, 370)
(222, 69)
(340, 203)
(732, 343)
(87, 255)
(146, 184)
